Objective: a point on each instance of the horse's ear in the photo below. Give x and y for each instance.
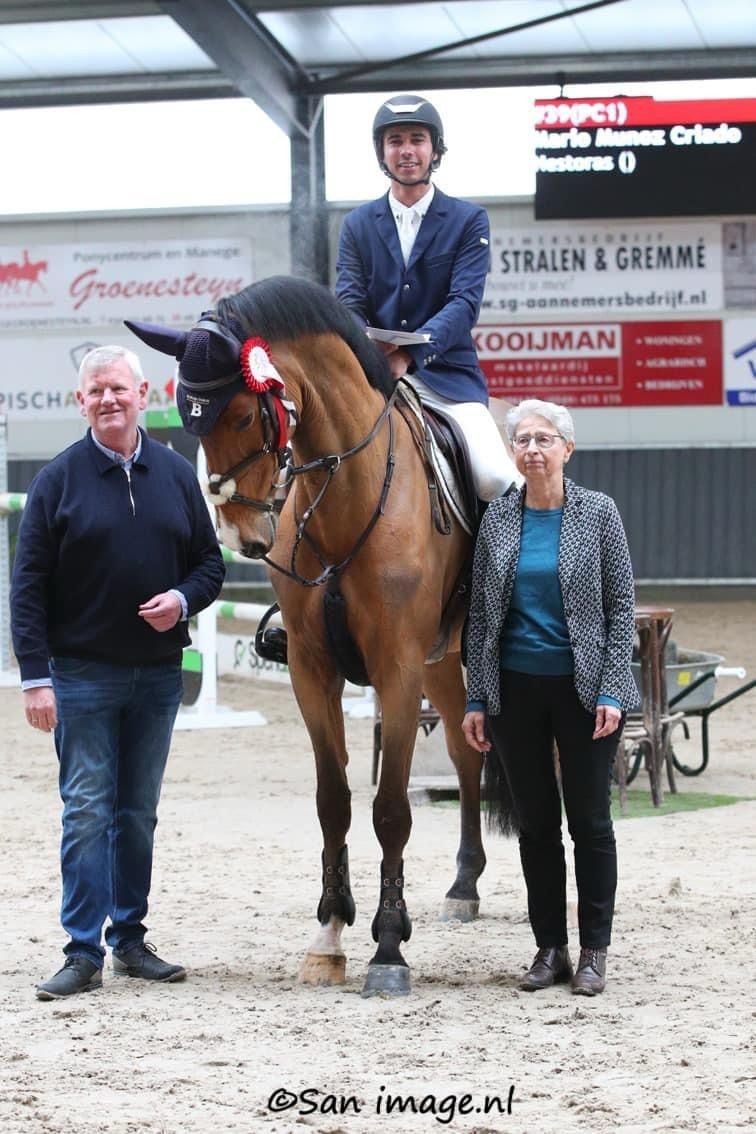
(165, 339)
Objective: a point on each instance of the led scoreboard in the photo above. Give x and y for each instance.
(636, 157)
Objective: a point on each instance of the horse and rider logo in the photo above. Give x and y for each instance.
(14, 274)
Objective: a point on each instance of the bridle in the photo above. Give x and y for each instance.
(276, 413)
(275, 441)
(330, 465)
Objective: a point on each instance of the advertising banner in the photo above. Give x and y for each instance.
(604, 364)
(39, 375)
(604, 271)
(61, 286)
(740, 362)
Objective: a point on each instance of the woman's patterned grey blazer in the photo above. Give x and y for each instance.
(596, 581)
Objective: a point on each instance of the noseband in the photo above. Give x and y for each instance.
(275, 441)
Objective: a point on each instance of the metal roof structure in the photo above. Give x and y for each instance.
(286, 55)
(54, 52)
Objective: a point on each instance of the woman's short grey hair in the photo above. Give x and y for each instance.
(103, 356)
(559, 416)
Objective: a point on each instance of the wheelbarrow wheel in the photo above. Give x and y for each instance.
(634, 761)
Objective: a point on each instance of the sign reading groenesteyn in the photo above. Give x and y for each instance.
(94, 285)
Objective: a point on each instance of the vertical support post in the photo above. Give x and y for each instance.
(6, 678)
(308, 225)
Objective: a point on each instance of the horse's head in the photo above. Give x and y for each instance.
(231, 396)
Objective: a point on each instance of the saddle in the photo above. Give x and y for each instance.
(447, 464)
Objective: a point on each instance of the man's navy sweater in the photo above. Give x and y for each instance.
(95, 542)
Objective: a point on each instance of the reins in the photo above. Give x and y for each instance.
(331, 464)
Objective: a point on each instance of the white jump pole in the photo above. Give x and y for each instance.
(206, 712)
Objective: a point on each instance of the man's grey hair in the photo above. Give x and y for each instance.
(103, 356)
(559, 416)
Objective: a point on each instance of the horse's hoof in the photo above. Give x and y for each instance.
(323, 969)
(459, 909)
(386, 980)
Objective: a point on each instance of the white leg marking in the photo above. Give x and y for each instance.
(327, 941)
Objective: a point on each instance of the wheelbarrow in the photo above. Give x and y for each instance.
(691, 677)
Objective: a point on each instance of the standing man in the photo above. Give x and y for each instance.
(416, 260)
(115, 550)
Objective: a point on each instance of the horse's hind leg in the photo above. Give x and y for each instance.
(444, 688)
(325, 962)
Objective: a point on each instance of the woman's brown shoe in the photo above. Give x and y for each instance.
(550, 966)
(590, 977)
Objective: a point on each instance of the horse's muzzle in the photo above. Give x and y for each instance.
(255, 548)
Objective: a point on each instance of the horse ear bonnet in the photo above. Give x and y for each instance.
(208, 371)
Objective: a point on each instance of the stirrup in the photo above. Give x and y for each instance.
(271, 642)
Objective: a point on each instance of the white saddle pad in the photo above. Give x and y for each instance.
(447, 482)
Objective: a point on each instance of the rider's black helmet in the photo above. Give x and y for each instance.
(412, 109)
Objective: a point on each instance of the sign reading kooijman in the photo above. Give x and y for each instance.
(584, 271)
(83, 285)
(632, 363)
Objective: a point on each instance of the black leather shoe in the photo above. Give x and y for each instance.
(550, 966)
(142, 961)
(79, 974)
(590, 977)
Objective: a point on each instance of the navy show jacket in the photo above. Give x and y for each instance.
(439, 291)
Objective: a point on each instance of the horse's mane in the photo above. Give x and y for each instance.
(282, 307)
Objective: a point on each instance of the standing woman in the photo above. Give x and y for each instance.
(549, 650)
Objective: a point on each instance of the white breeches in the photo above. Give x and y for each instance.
(492, 467)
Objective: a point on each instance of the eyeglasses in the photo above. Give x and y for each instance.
(542, 440)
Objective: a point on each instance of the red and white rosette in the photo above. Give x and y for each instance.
(257, 367)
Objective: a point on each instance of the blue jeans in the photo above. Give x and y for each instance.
(112, 739)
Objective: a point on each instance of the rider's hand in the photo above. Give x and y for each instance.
(399, 362)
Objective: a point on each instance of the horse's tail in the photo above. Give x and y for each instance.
(501, 813)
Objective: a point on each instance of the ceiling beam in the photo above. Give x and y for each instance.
(246, 54)
(172, 86)
(535, 70)
(304, 5)
(439, 75)
(40, 11)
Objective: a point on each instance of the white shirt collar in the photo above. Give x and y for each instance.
(420, 207)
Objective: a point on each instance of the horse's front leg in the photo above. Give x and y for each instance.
(444, 687)
(325, 961)
(388, 972)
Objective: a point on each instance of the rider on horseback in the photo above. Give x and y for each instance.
(416, 260)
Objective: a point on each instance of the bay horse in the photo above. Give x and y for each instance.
(357, 525)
